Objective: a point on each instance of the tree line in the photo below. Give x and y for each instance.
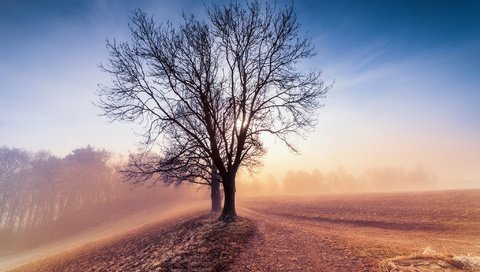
(44, 196)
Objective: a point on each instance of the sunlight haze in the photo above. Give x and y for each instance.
(405, 81)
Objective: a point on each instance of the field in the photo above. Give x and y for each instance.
(362, 232)
(424, 231)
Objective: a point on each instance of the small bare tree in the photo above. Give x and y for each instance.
(207, 90)
(177, 164)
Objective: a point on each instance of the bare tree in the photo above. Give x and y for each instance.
(208, 89)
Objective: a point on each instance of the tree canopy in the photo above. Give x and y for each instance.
(207, 89)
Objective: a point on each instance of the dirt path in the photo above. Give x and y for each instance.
(288, 245)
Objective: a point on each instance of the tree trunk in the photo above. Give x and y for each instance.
(228, 212)
(215, 193)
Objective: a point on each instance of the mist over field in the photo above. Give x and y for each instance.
(382, 179)
(50, 203)
(45, 199)
(74, 209)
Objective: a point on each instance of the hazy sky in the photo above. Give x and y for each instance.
(406, 92)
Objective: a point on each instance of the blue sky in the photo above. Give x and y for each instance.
(406, 92)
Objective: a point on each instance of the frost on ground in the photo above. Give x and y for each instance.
(429, 260)
(211, 246)
(199, 244)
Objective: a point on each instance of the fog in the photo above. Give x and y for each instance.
(49, 204)
(340, 180)
(45, 199)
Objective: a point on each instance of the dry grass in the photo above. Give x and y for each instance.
(210, 247)
(199, 244)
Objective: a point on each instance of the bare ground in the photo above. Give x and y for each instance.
(283, 245)
(436, 231)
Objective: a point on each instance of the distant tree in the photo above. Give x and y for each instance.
(13, 162)
(208, 89)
